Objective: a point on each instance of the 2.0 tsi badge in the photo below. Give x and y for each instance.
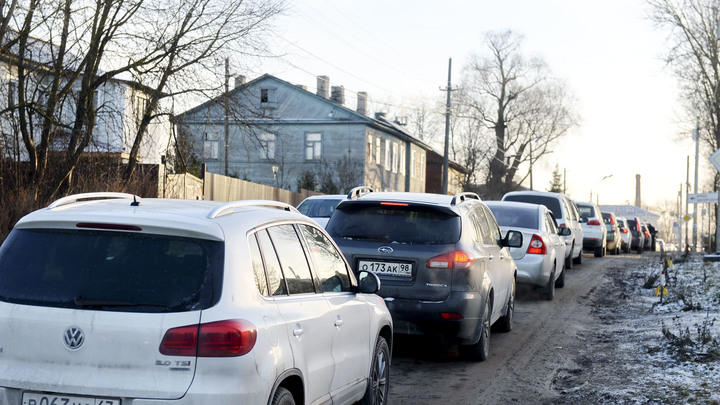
(73, 337)
(385, 249)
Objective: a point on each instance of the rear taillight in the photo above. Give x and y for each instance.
(647, 234)
(594, 222)
(215, 339)
(537, 247)
(623, 230)
(453, 260)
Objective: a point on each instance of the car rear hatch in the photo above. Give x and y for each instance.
(86, 314)
(406, 244)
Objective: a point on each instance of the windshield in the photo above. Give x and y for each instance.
(319, 208)
(515, 217)
(395, 224)
(112, 271)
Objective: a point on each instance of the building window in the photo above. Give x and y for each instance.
(140, 107)
(413, 162)
(394, 161)
(268, 98)
(211, 146)
(387, 154)
(377, 150)
(313, 146)
(422, 167)
(370, 147)
(267, 145)
(402, 159)
(12, 93)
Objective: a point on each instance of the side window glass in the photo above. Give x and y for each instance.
(482, 233)
(292, 259)
(276, 281)
(257, 266)
(492, 226)
(329, 265)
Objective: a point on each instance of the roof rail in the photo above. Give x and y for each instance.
(102, 195)
(230, 207)
(461, 197)
(359, 191)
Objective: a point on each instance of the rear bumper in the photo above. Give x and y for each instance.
(415, 317)
(592, 243)
(531, 270)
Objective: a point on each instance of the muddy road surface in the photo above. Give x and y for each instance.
(532, 364)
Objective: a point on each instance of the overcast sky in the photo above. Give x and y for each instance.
(607, 52)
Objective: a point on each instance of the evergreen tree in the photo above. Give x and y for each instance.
(556, 184)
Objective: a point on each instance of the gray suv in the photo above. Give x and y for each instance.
(445, 267)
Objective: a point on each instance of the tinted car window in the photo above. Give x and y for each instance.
(110, 271)
(292, 259)
(632, 224)
(321, 208)
(514, 217)
(329, 265)
(586, 211)
(258, 267)
(398, 224)
(552, 203)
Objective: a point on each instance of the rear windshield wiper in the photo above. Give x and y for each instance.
(367, 237)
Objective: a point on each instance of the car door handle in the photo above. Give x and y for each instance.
(491, 257)
(339, 322)
(297, 332)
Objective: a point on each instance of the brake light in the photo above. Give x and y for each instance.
(594, 222)
(537, 246)
(647, 234)
(623, 230)
(453, 260)
(451, 316)
(230, 338)
(394, 204)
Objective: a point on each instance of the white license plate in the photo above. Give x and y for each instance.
(30, 398)
(386, 268)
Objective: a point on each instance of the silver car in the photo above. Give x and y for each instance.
(540, 260)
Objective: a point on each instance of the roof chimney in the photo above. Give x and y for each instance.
(361, 103)
(338, 94)
(637, 190)
(323, 82)
(240, 80)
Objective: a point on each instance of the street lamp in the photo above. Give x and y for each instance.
(597, 196)
(275, 171)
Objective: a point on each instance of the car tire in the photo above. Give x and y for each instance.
(548, 292)
(579, 258)
(599, 251)
(560, 282)
(480, 350)
(504, 324)
(569, 258)
(378, 385)
(283, 396)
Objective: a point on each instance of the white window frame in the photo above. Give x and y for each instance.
(394, 161)
(413, 161)
(387, 154)
(267, 145)
(211, 146)
(378, 152)
(370, 146)
(422, 166)
(402, 159)
(313, 145)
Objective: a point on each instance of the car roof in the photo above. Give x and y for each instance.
(445, 200)
(518, 205)
(533, 192)
(192, 218)
(326, 197)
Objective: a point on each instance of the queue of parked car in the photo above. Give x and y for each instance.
(260, 302)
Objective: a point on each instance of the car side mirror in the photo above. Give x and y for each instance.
(368, 282)
(513, 239)
(563, 231)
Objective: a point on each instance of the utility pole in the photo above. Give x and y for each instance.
(687, 204)
(446, 159)
(227, 113)
(696, 135)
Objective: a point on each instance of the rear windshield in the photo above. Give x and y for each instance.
(395, 224)
(586, 211)
(551, 202)
(632, 224)
(110, 271)
(514, 217)
(318, 208)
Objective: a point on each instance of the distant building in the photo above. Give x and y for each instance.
(277, 131)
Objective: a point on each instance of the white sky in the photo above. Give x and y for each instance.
(608, 52)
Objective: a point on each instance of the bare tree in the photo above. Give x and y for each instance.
(519, 102)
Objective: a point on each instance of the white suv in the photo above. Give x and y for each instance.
(109, 299)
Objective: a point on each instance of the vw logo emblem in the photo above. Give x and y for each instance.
(73, 337)
(385, 249)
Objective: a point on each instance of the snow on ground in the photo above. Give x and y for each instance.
(643, 351)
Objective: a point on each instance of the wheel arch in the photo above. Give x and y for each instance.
(291, 380)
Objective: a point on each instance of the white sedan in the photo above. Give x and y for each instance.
(540, 261)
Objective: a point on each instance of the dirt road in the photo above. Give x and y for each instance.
(533, 364)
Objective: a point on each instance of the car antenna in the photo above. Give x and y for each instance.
(135, 202)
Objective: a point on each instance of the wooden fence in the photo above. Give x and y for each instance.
(222, 188)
